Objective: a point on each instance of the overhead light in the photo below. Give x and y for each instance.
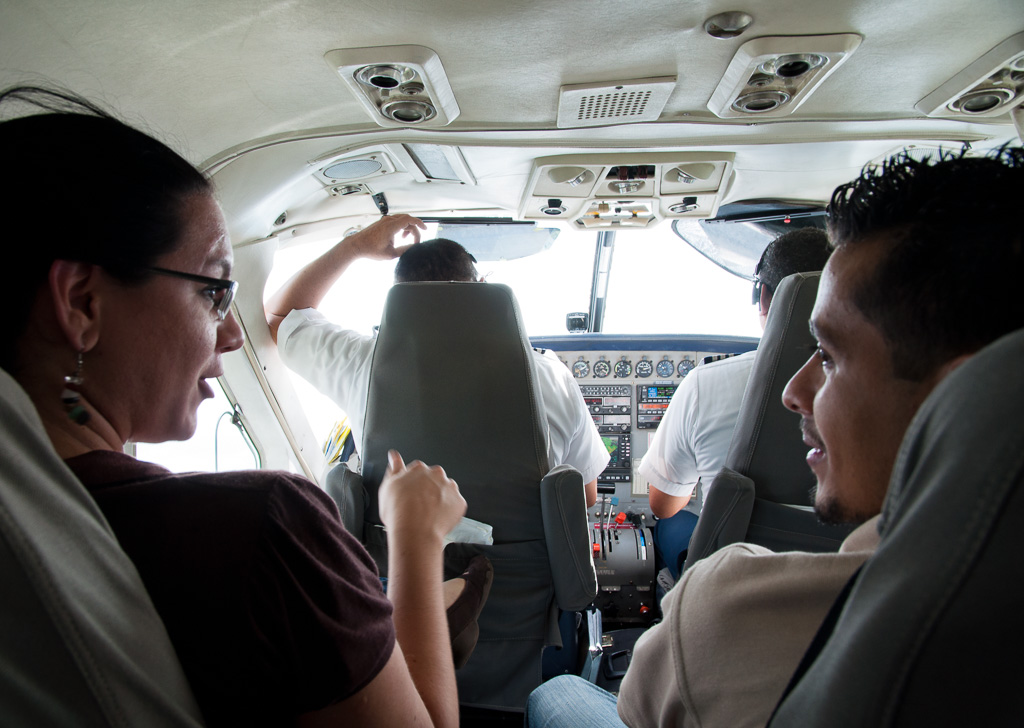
(398, 85)
(353, 168)
(333, 169)
(774, 76)
(992, 85)
(571, 176)
(688, 174)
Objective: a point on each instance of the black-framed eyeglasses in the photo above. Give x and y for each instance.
(222, 290)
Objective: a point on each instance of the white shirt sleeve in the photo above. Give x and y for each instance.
(670, 464)
(572, 436)
(332, 359)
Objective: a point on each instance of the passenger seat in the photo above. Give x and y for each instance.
(80, 642)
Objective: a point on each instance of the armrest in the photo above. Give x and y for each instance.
(724, 517)
(563, 510)
(349, 494)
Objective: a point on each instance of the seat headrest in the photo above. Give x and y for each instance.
(454, 355)
(767, 446)
(972, 411)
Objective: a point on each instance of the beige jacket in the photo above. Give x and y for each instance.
(734, 630)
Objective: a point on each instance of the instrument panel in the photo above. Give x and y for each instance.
(627, 384)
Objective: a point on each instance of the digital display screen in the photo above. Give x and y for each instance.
(612, 445)
(660, 390)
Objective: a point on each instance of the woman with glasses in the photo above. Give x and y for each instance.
(118, 319)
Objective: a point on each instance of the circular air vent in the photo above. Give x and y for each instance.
(792, 65)
(352, 168)
(760, 101)
(385, 76)
(408, 111)
(982, 100)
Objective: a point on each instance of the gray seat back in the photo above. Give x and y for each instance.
(931, 632)
(452, 383)
(80, 641)
(763, 494)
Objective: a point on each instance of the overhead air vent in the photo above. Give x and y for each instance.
(399, 86)
(992, 85)
(774, 76)
(596, 104)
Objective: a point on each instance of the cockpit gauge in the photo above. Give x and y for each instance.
(581, 368)
(665, 367)
(623, 368)
(644, 368)
(685, 366)
(602, 369)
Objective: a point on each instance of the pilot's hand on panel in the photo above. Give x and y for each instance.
(377, 242)
(419, 501)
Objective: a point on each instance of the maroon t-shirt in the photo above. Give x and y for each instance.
(273, 608)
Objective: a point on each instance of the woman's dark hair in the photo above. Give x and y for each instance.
(948, 281)
(85, 186)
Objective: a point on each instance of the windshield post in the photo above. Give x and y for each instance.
(602, 270)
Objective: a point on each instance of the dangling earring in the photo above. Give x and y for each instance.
(71, 396)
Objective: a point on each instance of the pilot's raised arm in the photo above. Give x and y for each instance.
(307, 288)
(337, 361)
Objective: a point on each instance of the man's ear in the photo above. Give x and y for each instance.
(73, 289)
(765, 302)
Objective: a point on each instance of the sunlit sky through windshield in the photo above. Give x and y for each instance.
(658, 285)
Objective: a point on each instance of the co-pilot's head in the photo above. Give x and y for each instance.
(925, 273)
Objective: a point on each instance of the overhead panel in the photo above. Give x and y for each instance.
(770, 77)
(399, 86)
(626, 190)
(991, 86)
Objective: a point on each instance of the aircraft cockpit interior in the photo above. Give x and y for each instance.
(620, 169)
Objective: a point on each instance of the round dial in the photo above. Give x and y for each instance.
(665, 368)
(580, 369)
(602, 369)
(685, 367)
(644, 368)
(623, 368)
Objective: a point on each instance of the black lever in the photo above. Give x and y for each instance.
(381, 202)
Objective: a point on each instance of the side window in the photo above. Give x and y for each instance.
(219, 443)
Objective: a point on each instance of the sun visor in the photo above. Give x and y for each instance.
(735, 239)
(499, 241)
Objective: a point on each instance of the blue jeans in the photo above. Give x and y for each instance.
(568, 701)
(672, 538)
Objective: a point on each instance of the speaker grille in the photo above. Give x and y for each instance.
(627, 101)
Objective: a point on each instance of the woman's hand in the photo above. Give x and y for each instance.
(419, 500)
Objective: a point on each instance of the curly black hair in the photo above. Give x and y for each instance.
(948, 281)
